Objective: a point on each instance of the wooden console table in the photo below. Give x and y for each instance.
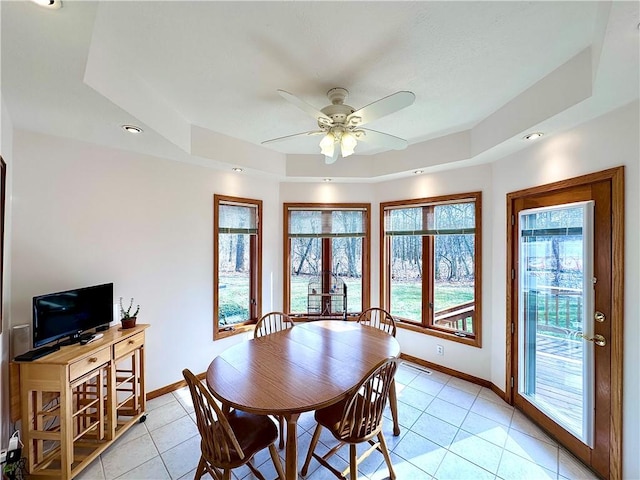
(77, 401)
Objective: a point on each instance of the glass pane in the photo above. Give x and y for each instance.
(328, 222)
(455, 215)
(347, 264)
(347, 221)
(237, 216)
(555, 310)
(305, 221)
(234, 279)
(403, 220)
(306, 262)
(454, 282)
(406, 277)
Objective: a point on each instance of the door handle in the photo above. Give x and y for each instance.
(599, 340)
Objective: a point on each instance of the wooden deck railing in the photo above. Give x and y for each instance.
(458, 317)
(556, 309)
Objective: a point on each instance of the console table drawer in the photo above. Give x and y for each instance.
(79, 368)
(129, 345)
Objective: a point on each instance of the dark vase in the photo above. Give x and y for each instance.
(128, 322)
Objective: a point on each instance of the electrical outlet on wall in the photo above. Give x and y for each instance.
(439, 349)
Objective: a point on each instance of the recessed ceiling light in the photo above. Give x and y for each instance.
(533, 136)
(238, 169)
(132, 128)
(418, 172)
(326, 180)
(51, 4)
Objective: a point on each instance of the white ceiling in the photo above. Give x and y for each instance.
(201, 77)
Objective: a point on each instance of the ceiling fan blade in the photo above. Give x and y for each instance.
(287, 137)
(305, 107)
(380, 108)
(382, 139)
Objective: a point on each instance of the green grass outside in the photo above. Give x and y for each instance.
(406, 298)
(233, 300)
(300, 290)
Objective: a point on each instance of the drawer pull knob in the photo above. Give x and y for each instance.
(131, 342)
(93, 359)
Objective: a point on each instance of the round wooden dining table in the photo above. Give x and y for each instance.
(305, 368)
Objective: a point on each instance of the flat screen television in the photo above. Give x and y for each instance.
(68, 314)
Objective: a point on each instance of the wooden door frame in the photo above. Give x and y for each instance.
(616, 177)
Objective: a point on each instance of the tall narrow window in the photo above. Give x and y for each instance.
(327, 259)
(431, 264)
(237, 245)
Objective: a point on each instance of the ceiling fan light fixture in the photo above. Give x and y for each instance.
(347, 144)
(327, 144)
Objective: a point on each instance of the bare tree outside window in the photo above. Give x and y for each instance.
(237, 241)
(325, 238)
(431, 265)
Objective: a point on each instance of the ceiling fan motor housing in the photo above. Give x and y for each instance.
(337, 111)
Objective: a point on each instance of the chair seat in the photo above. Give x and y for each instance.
(254, 432)
(229, 440)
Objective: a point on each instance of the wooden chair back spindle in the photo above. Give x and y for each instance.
(272, 322)
(378, 318)
(357, 419)
(362, 415)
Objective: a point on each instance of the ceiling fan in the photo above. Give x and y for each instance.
(341, 124)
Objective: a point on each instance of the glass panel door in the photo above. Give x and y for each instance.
(556, 369)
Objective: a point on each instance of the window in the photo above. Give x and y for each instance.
(237, 266)
(431, 264)
(326, 244)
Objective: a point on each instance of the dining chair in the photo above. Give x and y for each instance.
(356, 419)
(273, 322)
(381, 319)
(229, 440)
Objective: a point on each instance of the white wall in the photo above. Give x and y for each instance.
(6, 150)
(86, 215)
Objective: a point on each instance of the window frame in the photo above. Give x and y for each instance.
(255, 263)
(326, 262)
(425, 325)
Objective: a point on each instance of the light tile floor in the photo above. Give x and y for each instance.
(451, 429)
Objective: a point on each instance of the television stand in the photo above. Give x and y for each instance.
(81, 399)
